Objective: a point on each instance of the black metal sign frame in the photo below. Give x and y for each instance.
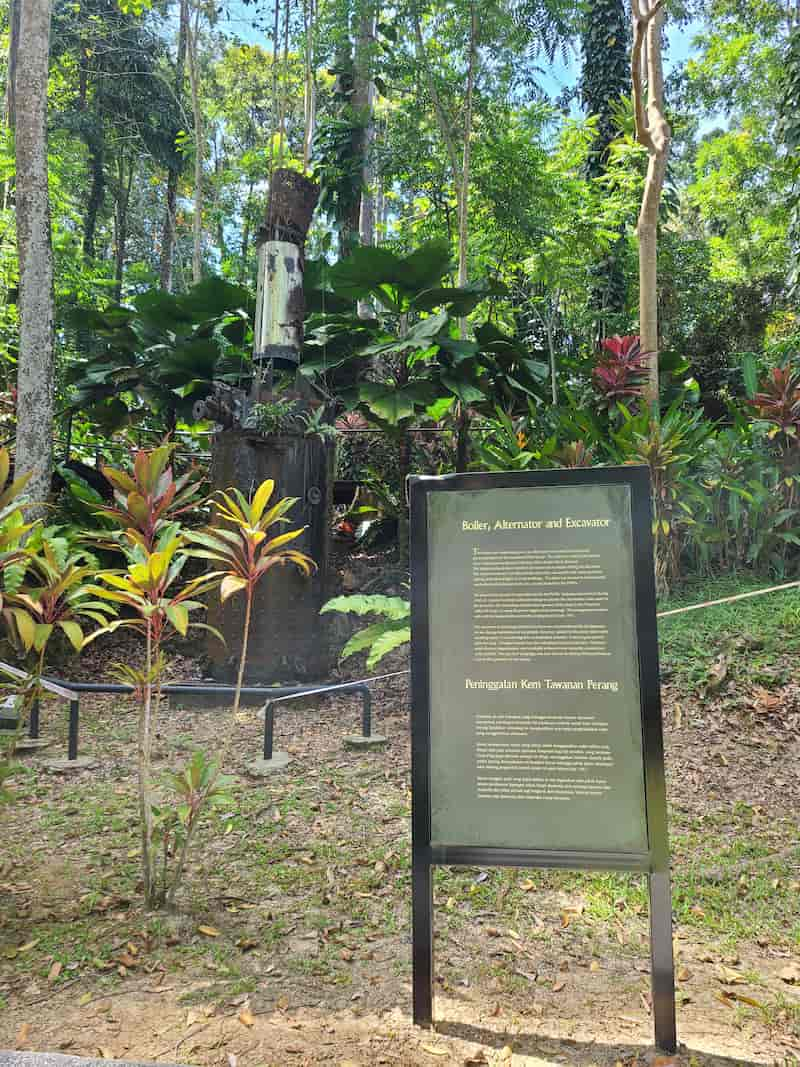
(655, 861)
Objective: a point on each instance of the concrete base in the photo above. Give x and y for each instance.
(64, 766)
(32, 744)
(263, 768)
(358, 741)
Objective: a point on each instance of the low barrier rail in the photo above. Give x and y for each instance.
(70, 691)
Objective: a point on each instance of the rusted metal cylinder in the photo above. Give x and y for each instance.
(287, 640)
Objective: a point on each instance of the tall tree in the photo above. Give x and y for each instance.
(35, 392)
(193, 55)
(605, 79)
(653, 132)
(175, 165)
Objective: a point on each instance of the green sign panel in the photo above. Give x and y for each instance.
(535, 706)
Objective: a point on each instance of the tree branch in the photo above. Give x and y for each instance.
(444, 127)
(642, 18)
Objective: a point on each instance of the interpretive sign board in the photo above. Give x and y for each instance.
(536, 714)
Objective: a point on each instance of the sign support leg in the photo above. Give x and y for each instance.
(662, 968)
(422, 940)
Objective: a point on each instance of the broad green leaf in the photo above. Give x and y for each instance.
(261, 499)
(231, 584)
(73, 632)
(388, 641)
(392, 607)
(178, 615)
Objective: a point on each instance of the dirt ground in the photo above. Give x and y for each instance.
(292, 940)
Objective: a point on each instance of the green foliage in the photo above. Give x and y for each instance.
(155, 603)
(428, 361)
(378, 640)
(163, 351)
(239, 547)
(150, 499)
(275, 418)
(58, 595)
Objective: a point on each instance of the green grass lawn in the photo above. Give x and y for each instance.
(757, 633)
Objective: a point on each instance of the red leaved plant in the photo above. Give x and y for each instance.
(779, 402)
(621, 371)
(150, 496)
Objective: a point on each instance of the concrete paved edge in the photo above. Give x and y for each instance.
(55, 1059)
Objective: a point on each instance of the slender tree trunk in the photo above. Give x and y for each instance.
(243, 657)
(381, 212)
(199, 138)
(9, 105)
(97, 190)
(309, 81)
(248, 207)
(11, 74)
(404, 469)
(174, 170)
(364, 103)
(145, 799)
(652, 131)
(462, 430)
(35, 370)
(125, 183)
(463, 196)
(551, 348)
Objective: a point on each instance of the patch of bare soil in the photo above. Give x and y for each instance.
(292, 941)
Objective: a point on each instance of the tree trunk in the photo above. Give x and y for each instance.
(248, 207)
(97, 189)
(174, 170)
(551, 349)
(11, 73)
(652, 131)
(9, 107)
(463, 196)
(121, 222)
(35, 414)
(197, 118)
(309, 81)
(364, 103)
(404, 469)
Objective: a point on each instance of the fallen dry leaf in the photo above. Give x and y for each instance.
(435, 1051)
(54, 971)
(477, 1059)
(730, 977)
(208, 931)
(764, 701)
(558, 986)
(23, 1033)
(246, 1017)
(790, 974)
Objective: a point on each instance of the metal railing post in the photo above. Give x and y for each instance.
(33, 728)
(366, 711)
(269, 729)
(72, 742)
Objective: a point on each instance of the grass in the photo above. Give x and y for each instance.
(760, 631)
(329, 854)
